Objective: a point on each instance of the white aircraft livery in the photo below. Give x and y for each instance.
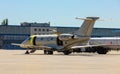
(110, 43)
(66, 43)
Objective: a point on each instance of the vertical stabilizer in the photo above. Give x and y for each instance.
(87, 26)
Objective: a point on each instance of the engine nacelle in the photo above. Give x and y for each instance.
(66, 36)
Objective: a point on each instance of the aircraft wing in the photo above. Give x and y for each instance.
(33, 47)
(39, 47)
(15, 44)
(86, 46)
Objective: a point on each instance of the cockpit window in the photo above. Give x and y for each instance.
(28, 38)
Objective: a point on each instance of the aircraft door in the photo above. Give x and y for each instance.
(59, 42)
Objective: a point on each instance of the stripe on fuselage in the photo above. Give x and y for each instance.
(32, 40)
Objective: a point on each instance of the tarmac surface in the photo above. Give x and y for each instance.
(16, 62)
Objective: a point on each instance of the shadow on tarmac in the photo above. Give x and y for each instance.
(76, 54)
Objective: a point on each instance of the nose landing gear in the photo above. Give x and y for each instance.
(27, 52)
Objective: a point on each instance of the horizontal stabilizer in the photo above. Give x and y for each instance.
(88, 18)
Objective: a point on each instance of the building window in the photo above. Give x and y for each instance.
(35, 29)
(43, 29)
(39, 29)
(47, 30)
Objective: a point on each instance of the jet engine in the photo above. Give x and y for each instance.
(64, 37)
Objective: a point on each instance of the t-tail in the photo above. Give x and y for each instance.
(87, 26)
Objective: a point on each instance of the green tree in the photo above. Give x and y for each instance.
(5, 22)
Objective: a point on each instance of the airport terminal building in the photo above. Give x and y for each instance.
(18, 33)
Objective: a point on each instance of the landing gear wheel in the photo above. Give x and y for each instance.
(27, 52)
(67, 52)
(45, 51)
(50, 52)
(102, 51)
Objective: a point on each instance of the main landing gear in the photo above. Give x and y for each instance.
(28, 52)
(67, 52)
(101, 50)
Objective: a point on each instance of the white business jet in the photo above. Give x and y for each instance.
(66, 43)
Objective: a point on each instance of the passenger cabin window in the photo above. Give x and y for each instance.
(41, 39)
(51, 38)
(46, 39)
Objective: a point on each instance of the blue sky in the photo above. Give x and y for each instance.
(61, 12)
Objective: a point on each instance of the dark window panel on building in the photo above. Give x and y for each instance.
(39, 29)
(43, 30)
(35, 29)
(47, 30)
